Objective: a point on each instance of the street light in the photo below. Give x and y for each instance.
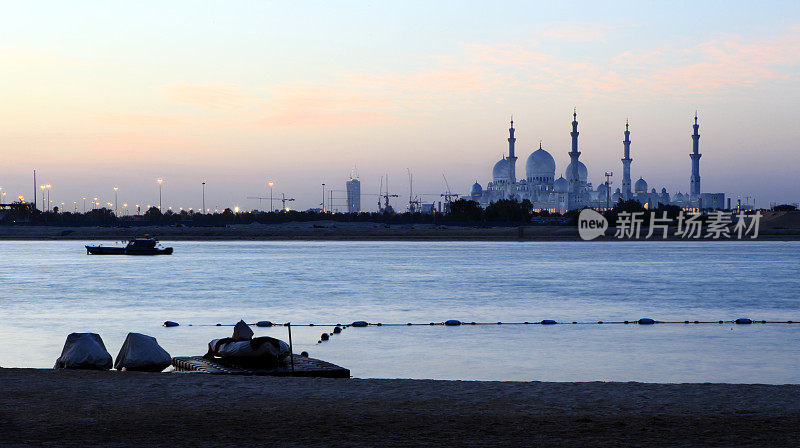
(160, 181)
(204, 197)
(48, 197)
(116, 199)
(84, 205)
(44, 204)
(323, 198)
(271, 183)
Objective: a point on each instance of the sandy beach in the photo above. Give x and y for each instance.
(110, 409)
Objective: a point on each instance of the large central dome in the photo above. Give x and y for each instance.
(540, 164)
(583, 173)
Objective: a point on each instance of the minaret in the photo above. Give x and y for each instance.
(512, 158)
(626, 165)
(694, 181)
(574, 176)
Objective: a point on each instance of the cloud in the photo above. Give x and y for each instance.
(577, 32)
(212, 96)
(481, 74)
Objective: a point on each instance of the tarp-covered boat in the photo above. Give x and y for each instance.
(243, 349)
(141, 352)
(84, 351)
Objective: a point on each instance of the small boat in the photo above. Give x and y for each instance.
(136, 246)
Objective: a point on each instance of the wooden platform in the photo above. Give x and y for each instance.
(308, 367)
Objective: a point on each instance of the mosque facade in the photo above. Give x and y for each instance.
(572, 189)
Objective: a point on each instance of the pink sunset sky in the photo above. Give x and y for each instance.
(97, 95)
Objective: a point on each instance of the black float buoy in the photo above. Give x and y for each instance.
(263, 323)
(324, 337)
(170, 323)
(452, 323)
(646, 321)
(304, 354)
(359, 323)
(337, 330)
(743, 321)
(548, 322)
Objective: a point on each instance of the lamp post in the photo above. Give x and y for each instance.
(271, 209)
(323, 198)
(204, 197)
(116, 200)
(84, 204)
(44, 204)
(48, 197)
(75, 206)
(160, 181)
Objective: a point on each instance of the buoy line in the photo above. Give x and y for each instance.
(456, 323)
(338, 327)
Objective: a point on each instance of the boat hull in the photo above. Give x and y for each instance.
(101, 250)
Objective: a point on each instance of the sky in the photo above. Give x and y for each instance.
(235, 94)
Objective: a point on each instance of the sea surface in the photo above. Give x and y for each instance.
(52, 288)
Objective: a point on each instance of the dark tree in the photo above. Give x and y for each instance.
(509, 210)
(464, 210)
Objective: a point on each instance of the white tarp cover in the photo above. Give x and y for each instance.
(84, 351)
(142, 352)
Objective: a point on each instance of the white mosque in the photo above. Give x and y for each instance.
(573, 190)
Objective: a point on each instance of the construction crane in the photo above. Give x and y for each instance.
(284, 200)
(259, 199)
(413, 201)
(385, 196)
(448, 195)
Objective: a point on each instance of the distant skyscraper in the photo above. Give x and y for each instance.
(353, 195)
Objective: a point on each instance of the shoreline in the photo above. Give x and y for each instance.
(338, 231)
(90, 408)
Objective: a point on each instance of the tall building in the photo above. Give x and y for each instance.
(353, 195)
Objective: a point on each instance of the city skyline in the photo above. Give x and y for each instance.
(239, 96)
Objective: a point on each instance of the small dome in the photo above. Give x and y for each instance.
(678, 197)
(501, 170)
(653, 191)
(583, 173)
(663, 190)
(561, 185)
(640, 186)
(540, 164)
(601, 189)
(477, 190)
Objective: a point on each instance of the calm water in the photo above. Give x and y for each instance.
(52, 288)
